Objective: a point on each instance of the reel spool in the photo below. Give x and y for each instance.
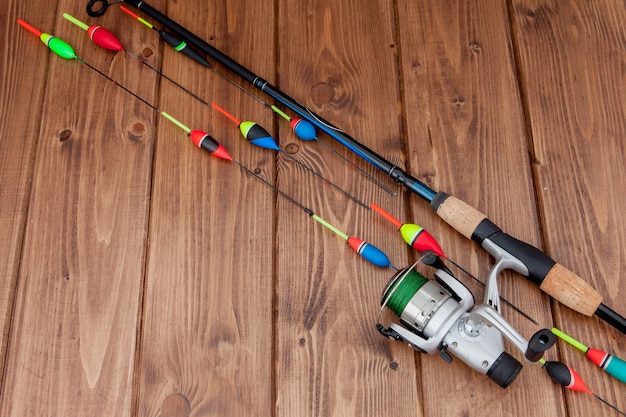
(436, 316)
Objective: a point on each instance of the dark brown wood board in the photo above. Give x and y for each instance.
(207, 335)
(331, 359)
(22, 94)
(572, 60)
(465, 129)
(143, 276)
(72, 345)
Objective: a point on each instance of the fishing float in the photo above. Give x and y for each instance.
(366, 250)
(569, 379)
(102, 37)
(422, 241)
(611, 364)
(65, 50)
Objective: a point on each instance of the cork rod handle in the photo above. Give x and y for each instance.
(554, 279)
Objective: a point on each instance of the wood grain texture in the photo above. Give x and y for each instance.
(18, 141)
(572, 57)
(342, 63)
(207, 338)
(141, 276)
(72, 343)
(466, 136)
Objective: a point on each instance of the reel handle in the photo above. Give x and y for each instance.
(538, 344)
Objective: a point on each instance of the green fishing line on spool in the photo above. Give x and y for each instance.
(406, 289)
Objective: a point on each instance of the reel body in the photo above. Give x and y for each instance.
(439, 316)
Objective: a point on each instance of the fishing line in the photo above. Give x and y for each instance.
(118, 84)
(401, 292)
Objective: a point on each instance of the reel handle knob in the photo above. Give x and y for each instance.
(443, 354)
(538, 344)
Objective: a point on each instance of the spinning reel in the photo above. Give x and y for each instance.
(438, 315)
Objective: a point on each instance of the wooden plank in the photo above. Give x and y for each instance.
(572, 59)
(340, 60)
(249, 306)
(466, 136)
(207, 335)
(19, 124)
(72, 343)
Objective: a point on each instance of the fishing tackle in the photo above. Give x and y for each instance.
(56, 45)
(415, 236)
(366, 250)
(303, 129)
(171, 40)
(438, 315)
(206, 142)
(510, 253)
(612, 365)
(258, 136)
(253, 132)
(107, 40)
(418, 238)
(65, 50)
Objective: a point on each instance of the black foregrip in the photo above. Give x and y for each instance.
(194, 40)
(537, 262)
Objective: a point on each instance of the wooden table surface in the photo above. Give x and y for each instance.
(142, 276)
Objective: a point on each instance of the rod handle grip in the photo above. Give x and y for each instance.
(464, 218)
(554, 279)
(571, 290)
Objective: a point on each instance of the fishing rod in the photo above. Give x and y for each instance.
(302, 128)
(510, 253)
(208, 143)
(422, 241)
